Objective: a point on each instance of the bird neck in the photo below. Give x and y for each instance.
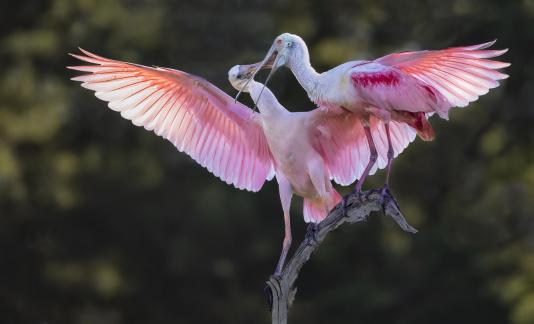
(303, 70)
(265, 100)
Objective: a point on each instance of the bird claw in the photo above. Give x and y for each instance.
(345, 200)
(267, 290)
(344, 204)
(311, 233)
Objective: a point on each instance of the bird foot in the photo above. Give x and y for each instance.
(311, 233)
(268, 296)
(345, 200)
(267, 290)
(357, 190)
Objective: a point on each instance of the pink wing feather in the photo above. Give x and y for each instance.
(389, 88)
(197, 117)
(341, 140)
(460, 74)
(426, 81)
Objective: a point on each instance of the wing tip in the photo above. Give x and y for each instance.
(492, 41)
(89, 57)
(72, 67)
(480, 46)
(86, 52)
(487, 44)
(501, 52)
(505, 65)
(79, 57)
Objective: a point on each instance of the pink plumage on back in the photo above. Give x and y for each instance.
(195, 116)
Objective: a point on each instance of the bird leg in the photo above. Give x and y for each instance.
(373, 155)
(284, 188)
(372, 159)
(285, 245)
(385, 192)
(390, 154)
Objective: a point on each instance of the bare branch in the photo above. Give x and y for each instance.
(281, 290)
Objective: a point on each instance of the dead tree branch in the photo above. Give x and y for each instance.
(281, 290)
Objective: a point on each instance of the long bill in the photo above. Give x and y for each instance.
(266, 63)
(273, 69)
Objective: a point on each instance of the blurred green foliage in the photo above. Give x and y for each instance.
(102, 222)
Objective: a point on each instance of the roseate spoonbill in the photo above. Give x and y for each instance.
(243, 148)
(407, 87)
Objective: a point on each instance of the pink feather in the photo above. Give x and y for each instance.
(194, 115)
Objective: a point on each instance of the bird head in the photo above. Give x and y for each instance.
(241, 75)
(283, 50)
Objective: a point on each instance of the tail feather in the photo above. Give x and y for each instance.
(425, 130)
(315, 210)
(421, 125)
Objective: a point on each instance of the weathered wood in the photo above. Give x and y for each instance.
(281, 290)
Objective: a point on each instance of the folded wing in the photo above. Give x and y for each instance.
(197, 117)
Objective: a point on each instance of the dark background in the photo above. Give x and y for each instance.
(103, 222)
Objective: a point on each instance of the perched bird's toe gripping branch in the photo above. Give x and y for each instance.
(280, 289)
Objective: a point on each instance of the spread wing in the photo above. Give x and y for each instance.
(341, 140)
(427, 81)
(460, 74)
(197, 117)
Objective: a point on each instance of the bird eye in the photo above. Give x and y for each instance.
(289, 44)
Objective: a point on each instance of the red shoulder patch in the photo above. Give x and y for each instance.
(364, 79)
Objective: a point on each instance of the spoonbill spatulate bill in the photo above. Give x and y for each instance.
(405, 87)
(304, 150)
